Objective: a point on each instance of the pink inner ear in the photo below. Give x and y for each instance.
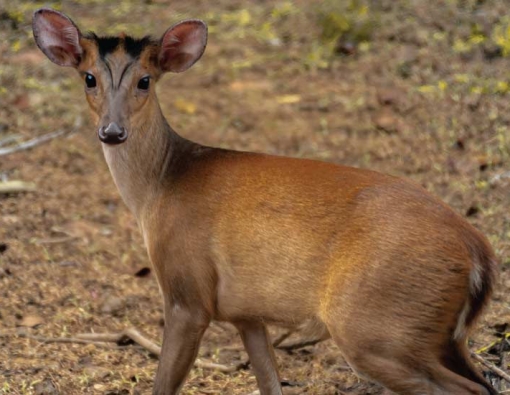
(58, 37)
(182, 45)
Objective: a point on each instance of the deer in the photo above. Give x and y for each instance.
(393, 275)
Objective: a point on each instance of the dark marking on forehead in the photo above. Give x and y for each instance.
(132, 46)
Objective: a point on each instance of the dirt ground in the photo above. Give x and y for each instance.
(414, 88)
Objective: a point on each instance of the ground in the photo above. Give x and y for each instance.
(415, 89)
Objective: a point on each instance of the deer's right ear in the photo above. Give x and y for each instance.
(58, 37)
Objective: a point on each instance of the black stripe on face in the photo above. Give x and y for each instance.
(132, 46)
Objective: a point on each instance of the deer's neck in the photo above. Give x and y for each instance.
(140, 164)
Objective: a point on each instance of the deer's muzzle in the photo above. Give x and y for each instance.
(112, 134)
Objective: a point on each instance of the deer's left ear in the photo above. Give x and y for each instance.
(182, 45)
(58, 37)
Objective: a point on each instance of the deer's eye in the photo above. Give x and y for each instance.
(90, 81)
(143, 84)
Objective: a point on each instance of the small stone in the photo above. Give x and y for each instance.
(347, 48)
(386, 121)
(112, 305)
(96, 371)
(104, 231)
(22, 331)
(10, 219)
(45, 387)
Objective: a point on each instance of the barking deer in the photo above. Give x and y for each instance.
(255, 239)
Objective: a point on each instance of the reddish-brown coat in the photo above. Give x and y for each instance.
(390, 272)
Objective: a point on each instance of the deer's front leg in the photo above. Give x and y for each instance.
(183, 331)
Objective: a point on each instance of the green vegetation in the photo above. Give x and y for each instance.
(501, 35)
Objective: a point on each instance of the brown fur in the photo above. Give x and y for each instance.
(391, 273)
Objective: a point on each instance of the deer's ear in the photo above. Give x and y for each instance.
(182, 45)
(58, 37)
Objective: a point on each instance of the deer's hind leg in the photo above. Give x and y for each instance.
(258, 345)
(400, 363)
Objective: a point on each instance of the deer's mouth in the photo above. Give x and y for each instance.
(112, 134)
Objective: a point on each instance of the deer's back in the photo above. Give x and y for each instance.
(270, 225)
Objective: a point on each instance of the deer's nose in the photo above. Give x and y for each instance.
(112, 134)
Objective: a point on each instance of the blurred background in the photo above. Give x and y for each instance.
(413, 88)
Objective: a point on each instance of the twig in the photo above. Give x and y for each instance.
(486, 348)
(130, 333)
(9, 139)
(137, 337)
(491, 366)
(498, 177)
(61, 340)
(55, 240)
(153, 348)
(219, 367)
(56, 339)
(101, 337)
(16, 186)
(33, 142)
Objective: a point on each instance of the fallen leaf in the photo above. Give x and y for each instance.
(485, 161)
(387, 121)
(288, 99)
(10, 219)
(21, 102)
(31, 321)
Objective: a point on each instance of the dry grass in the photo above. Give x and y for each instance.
(420, 97)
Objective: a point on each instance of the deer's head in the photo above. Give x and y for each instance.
(119, 72)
